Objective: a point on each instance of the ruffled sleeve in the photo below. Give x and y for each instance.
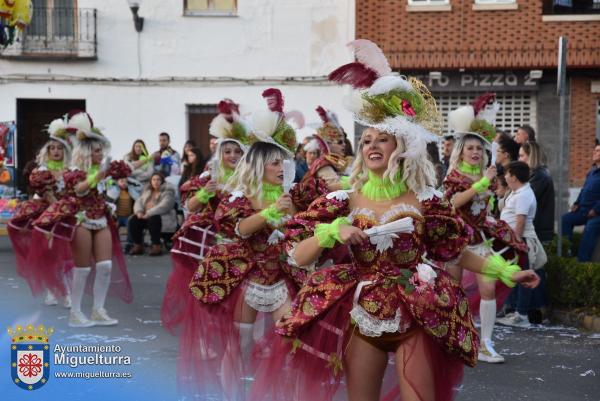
(230, 211)
(455, 183)
(310, 187)
(302, 226)
(41, 181)
(194, 184)
(72, 178)
(446, 234)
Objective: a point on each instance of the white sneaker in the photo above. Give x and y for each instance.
(515, 320)
(101, 318)
(78, 319)
(50, 299)
(67, 301)
(488, 354)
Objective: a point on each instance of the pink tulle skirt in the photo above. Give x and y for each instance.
(312, 366)
(211, 361)
(52, 256)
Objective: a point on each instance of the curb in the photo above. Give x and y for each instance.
(578, 319)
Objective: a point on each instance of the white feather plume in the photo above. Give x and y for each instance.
(489, 113)
(460, 119)
(219, 127)
(353, 102)
(264, 123)
(311, 146)
(369, 54)
(388, 83)
(56, 125)
(81, 122)
(295, 118)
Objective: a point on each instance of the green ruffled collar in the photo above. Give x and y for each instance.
(377, 188)
(270, 192)
(227, 173)
(466, 168)
(93, 170)
(55, 165)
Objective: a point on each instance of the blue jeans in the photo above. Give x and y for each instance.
(591, 232)
(122, 222)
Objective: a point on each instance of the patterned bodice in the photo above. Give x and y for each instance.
(474, 212)
(43, 181)
(92, 203)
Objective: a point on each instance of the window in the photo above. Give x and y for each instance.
(516, 108)
(495, 1)
(428, 2)
(210, 7)
(571, 7)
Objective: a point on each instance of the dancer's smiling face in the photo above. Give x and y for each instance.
(472, 152)
(377, 148)
(56, 151)
(231, 154)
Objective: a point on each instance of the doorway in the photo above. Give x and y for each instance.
(199, 118)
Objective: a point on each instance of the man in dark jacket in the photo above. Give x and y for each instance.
(543, 188)
(586, 211)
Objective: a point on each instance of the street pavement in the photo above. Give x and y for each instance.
(544, 363)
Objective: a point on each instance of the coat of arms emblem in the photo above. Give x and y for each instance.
(30, 356)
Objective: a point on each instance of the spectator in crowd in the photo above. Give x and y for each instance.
(586, 211)
(166, 160)
(543, 188)
(519, 212)
(434, 157)
(194, 166)
(447, 146)
(300, 159)
(155, 211)
(140, 162)
(524, 134)
(506, 152)
(189, 144)
(311, 152)
(501, 193)
(212, 145)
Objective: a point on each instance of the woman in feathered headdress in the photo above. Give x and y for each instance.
(470, 184)
(83, 220)
(201, 194)
(393, 297)
(326, 173)
(237, 280)
(47, 182)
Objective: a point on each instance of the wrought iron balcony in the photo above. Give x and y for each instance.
(56, 33)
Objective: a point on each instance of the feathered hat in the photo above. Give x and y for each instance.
(80, 124)
(58, 132)
(388, 102)
(476, 119)
(273, 125)
(228, 125)
(329, 131)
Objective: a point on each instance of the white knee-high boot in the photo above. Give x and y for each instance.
(77, 318)
(101, 284)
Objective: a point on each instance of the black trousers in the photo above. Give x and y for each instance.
(136, 228)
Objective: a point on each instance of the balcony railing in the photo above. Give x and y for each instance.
(57, 33)
(571, 7)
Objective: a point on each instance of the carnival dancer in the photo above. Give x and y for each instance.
(82, 219)
(326, 173)
(237, 280)
(392, 297)
(47, 182)
(469, 185)
(201, 194)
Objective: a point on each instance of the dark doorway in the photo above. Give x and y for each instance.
(199, 118)
(33, 117)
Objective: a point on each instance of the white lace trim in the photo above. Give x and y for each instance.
(235, 195)
(205, 174)
(291, 259)
(394, 211)
(237, 229)
(428, 194)
(372, 327)
(94, 224)
(480, 249)
(275, 237)
(340, 195)
(266, 298)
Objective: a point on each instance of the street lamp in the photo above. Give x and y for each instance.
(138, 21)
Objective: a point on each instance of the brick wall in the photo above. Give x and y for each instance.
(465, 38)
(583, 129)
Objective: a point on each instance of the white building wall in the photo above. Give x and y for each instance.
(140, 84)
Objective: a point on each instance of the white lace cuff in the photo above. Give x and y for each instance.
(372, 327)
(292, 259)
